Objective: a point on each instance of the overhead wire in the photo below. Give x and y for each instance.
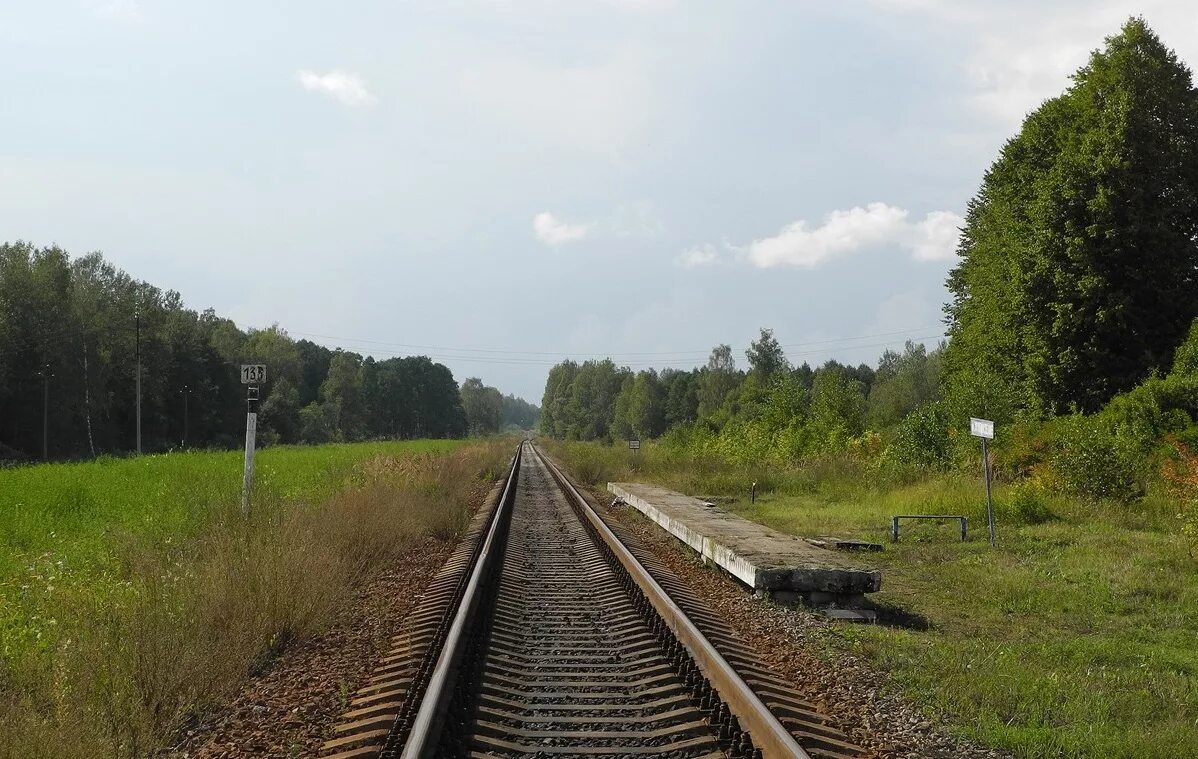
(516, 356)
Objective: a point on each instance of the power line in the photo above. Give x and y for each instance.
(521, 356)
(664, 364)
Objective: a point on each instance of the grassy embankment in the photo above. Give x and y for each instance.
(133, 594)
(1074, 637)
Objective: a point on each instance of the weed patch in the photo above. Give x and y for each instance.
(126, 623)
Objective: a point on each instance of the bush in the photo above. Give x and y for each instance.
(921, 443)
(1185, 360)
(1096, 464)
(1024, 447)
(1028, 502)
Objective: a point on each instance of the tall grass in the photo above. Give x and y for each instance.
(156, 620)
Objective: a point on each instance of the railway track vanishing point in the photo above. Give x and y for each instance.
(551, 633)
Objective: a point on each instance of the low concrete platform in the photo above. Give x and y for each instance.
(772, 563)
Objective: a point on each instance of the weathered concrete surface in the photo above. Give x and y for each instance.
(761, 557)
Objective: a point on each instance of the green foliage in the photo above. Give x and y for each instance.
(716, 380)
(580, 399)
(837, 407)
(1079, 253)
(1095, 463)
(765, 355)
(318, 422)
(640, 409)
(519, 414)
(281, 414)
(1028, 503)
(921, 443)
(1185, 360)
(682, 398)
(483, 406)
(83, 322)
(903, 382)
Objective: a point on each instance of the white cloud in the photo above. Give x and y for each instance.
(553, 231)
(1021, 53)
(700, 255)
(935, 238)
(875, 226)
(347, 88)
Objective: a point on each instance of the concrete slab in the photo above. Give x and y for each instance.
(760, 557)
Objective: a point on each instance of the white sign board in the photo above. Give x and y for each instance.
(983, 428)
(634, 444)
(253, 374)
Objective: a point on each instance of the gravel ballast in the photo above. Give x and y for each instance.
(289, 709)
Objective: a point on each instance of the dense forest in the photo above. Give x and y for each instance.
(1071, 321)
(71, 332)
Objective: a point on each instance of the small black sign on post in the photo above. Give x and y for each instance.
(634, 446)
(251, 376)
(984, 429)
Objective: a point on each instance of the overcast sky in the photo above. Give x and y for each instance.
(501, 183)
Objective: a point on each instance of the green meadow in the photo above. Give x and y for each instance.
(134, 595)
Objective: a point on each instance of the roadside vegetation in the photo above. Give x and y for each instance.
(133, 594)
(1072, 324)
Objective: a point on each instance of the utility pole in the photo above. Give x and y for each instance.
(137, 381)
(45, 375)
(186, 392)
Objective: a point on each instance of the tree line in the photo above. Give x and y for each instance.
(597, 400)
(1072, 315)
(71, 332)
(489, 411)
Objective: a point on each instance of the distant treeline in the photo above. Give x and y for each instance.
(70, 333)
(598, 400)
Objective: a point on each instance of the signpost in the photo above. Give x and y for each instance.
(984, 429)
(634, 445)
(251, 376)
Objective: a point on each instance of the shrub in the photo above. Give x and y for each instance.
(921, 443)
(1027, 445)
(1028, 502)
(1185, 360)
(1096, 464)
(1158, 407)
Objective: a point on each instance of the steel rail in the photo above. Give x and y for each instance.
(768, 734)
(425, 732)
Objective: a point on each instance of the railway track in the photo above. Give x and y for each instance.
(549, 634)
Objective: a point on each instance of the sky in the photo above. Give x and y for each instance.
(501, 184)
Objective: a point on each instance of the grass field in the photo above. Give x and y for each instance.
(133, 593)
(1074, 637)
